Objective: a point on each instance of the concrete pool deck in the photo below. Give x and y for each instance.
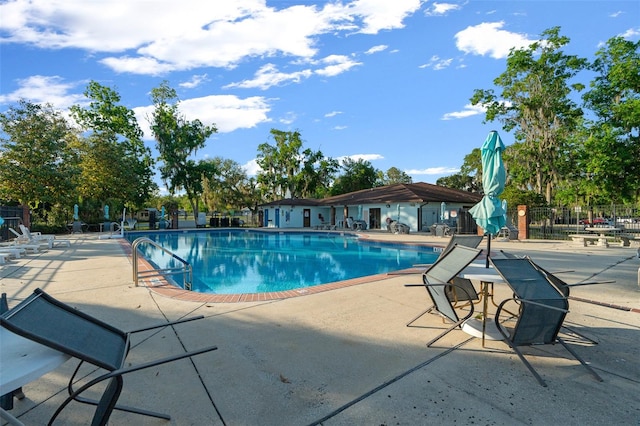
(345, 357)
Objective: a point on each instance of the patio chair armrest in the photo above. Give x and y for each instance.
(591, 283)
(166, 324)
(176, 357)
(530, 302)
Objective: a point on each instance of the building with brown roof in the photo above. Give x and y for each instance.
(418, 205)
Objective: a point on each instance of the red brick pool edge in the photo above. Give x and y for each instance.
(163, 287)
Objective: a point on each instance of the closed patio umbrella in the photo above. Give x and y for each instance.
(489, 213)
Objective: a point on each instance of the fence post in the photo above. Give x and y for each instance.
(523, 222)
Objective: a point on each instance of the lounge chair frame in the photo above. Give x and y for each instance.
(542, 310)
(45, 320)
(439, 281)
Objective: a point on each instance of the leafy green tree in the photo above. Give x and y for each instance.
(536, 103)
(231, 188)
(470, 176)
(38, 158)
(288, 170)
(394, 175)
(279, 164)
(116, 167)
(356, 175)
(177, 139)
(612, 149)
(317, 174)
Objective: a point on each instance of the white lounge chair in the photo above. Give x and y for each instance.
(22, 245)
(15, 252)
(23, 242)
(38, 237)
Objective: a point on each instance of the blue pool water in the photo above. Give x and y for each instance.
(252, 261)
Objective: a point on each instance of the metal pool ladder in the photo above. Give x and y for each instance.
(185, 269)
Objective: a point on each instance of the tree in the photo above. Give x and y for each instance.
(289, 171)
(317, 174)
(470, 176)
(116, 166)
(231, 188)
(177, 139)
(394, 175)
(535, 102)
(357, 175)
(612, 147)
(39, 158)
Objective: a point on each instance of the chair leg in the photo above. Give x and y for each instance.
(526, 363)
(441, 335)
(74, 395)
(576, 356)
(577, 333)
(426, 311)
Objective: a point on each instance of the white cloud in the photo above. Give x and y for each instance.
(336, 64)
(468, 111)
(189, 34)
(251, 167)
(268, 76)
(437, 64)
(194, 82)
(631, 33)
(489, 39)
(340, 127)
(377, 15)
(289, 118)
(376, 49)
(40, 89)
(439, 9)
(432, 171)
(226, 112)
(364, 157)
(332, 114)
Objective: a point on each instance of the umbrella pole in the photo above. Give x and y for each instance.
(488, 249)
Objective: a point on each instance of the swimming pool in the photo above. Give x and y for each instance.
(253, 261)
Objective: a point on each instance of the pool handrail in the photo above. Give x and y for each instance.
(186, 270)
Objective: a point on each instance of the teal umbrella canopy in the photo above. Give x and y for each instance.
(489, 213)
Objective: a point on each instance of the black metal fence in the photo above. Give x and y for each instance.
(557, 223)
(12, 216)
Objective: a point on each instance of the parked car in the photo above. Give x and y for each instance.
(627, 220)
(597, 221)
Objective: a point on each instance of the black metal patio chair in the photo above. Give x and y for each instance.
(565, 289)
(542, 310)
(439, 278)
(453, 293)
(45, 320)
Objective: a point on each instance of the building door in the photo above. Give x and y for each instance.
(277, 218)
(374, 218)
(306, 221)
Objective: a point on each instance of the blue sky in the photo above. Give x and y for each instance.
(388, 81)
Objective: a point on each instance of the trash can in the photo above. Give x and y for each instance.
(174, 219)
(201, 220)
